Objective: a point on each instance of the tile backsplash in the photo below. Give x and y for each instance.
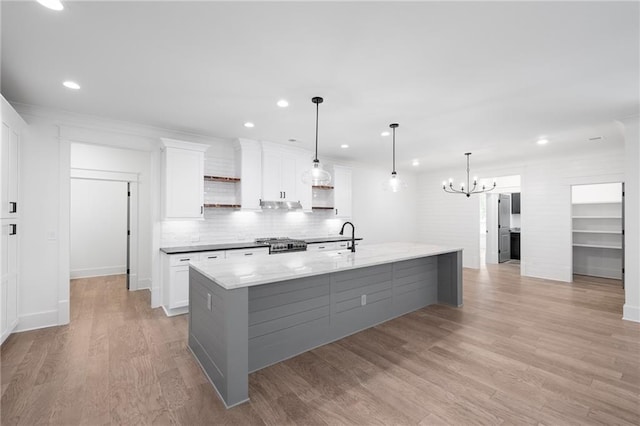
(222, 225)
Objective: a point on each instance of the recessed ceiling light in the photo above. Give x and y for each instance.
(52, 4)
(249, 124)
(344, 146)
(293, 140)
(71, 85)
(283, 103)
(542, 141)
(385, 134)
(415, 163)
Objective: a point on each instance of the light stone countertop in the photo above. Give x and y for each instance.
(243, 272)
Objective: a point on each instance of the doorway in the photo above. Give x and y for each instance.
(597, 218)
(99, 227)
(500, 223)
(104, 225)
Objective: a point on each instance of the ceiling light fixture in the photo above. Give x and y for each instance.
(71, 85)
(469, 190)
(249, 124)
(52, 4)
(344, 146)
(283, 103)
(385, 133)
(543, 141)
(316, 176)
(395, 184)
(415, 163)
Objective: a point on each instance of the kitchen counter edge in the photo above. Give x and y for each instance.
(245, 245)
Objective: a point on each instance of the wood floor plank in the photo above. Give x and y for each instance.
(520, 351)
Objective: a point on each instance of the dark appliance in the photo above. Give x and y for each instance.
(282, 244)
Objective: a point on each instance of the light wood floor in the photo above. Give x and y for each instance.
(520, 351)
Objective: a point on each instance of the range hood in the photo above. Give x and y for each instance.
(280, 205)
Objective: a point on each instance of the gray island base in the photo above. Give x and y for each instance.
(243, 318)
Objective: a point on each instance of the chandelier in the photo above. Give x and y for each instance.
(469, 190)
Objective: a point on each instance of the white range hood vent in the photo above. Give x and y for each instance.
(280, 205)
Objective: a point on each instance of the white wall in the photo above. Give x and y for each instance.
(546, 251)
(632, 219)
(98, 228)
(379, 216)
(383, 216)
(600, 193)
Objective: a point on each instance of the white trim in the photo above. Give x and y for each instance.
(631, 313)
(174, 143)
(64, 232)
(144, 284)
(91, 174)
(172, 312)
(37, 320)
(98, 272)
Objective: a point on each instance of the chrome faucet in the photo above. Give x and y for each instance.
(353, 236)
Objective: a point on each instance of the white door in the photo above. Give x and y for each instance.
(504, 224)
(492, 229)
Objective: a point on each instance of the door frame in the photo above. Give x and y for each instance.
(132, 209)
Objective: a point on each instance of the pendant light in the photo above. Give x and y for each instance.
(316, 176)
(469, 190)
(394, 184)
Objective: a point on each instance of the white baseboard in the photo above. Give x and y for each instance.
(37, 320)
(631, 313)
(155, 296)
(545, 271)
(98, 272)
(144, 284)
(64, 314)
(8, 331)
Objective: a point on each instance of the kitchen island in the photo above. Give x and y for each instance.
(247, 314)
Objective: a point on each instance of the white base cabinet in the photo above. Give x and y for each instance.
(175, 275)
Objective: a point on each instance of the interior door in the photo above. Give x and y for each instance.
(504, 224)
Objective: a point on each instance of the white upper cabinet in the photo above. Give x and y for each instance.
(183, 179)
(342, 191)
(249, 166)
(12, 125)
(282, 170)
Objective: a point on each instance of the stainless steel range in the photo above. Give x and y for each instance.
(283, 244)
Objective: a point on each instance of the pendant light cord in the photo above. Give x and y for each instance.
(317, 109)
(468, 181)
(394, 150)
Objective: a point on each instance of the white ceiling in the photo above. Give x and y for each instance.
(486, 77)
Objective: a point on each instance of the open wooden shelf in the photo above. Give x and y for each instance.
(322, 187)
(221, 179)
(222, 206)
(322, 208)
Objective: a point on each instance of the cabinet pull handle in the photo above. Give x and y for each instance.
(14, 229)
(13, 207)
(184, 260)
(248, 254)
(285, 194)
(336, 212)
(321, 247)
(212, 257)
(201, 209)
